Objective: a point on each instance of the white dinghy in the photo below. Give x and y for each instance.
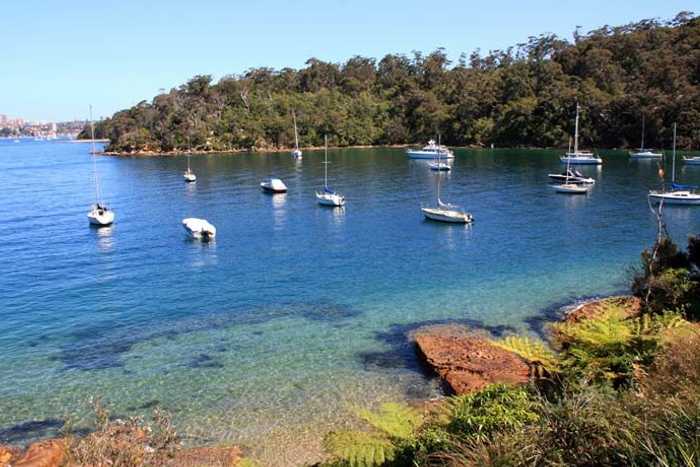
(273, 185)
(199, 229)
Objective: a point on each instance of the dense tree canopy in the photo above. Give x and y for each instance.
(523, 96)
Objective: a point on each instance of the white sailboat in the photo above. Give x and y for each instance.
(677, 194)
(446, 212)
(297, 154)
(642, 153)
(189, 176)
(99, 215)
(328, 197)
(437, 164)
(571, 187)
(580, 157)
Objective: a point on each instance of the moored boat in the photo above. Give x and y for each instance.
(430, 151)
(675, 193)
(199, 229)
(273, 185)
(579, 157)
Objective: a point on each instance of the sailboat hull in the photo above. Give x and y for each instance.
(646, 155)
(691, 160)
(328, 199)
(684, 198)
(101, 219)
(447, 215)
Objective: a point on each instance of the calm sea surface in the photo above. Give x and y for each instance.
(296, 313)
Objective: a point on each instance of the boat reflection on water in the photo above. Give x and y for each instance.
(279, 210)
(105, 240)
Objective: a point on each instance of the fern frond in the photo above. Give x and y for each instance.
(396, 420)
(531, 350)
(359, 449)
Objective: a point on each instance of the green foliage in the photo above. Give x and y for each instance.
(359, 449)
(395, 420)
(669, 279)
(393, 432)
(495, 409)
(524, 95)
(535, 352)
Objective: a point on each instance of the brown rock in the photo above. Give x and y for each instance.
(593, 308)
(467, 361)
(49, 453)
(7, 453)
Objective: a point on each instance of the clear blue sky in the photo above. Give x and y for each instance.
(56, 57)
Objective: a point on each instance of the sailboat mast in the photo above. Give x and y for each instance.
(296, 136)
(576, 132)
(94, 162)
(673, 164)
(642, 147)
(325, 164)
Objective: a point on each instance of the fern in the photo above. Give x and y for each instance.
(533, 351)
(396, 420)
(359, 449)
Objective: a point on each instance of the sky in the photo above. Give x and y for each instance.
(58, 57)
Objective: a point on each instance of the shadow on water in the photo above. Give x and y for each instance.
(34, 429)
(100, 347)
(402, 352)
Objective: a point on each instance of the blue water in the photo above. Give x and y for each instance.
(296, 313)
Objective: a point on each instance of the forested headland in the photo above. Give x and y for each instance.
(522, 96)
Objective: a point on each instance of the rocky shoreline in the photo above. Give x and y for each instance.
(467, 360)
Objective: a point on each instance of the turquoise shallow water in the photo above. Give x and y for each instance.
(296, 313)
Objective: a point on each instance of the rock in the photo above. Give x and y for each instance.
(466, 361)
(7, 453)
(593, 308)
(49, 453)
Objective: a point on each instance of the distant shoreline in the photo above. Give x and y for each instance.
(282, 150)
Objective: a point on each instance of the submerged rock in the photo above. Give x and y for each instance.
(48, 453)
(466, 361)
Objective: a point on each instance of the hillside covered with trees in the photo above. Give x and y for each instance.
(522, 96)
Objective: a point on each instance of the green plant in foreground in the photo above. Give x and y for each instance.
(535, 352)
(393, 429)
(494, 409)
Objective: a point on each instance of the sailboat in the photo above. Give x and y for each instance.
(571, 176)
(437, 164)
(645, 153)
(677, 194)
(100, 214)
(580, 157)
(691, 160)
(328, 197)
(189, 176)
(297, 154)
(571, 187)
(446, 212)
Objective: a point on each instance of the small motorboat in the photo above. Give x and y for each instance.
(101, 215)
(573, 176)
(273, 185)
(571, 188)
(695, 160)
(430, 151)
(199, 229)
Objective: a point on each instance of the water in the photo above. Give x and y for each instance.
(296, 313)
